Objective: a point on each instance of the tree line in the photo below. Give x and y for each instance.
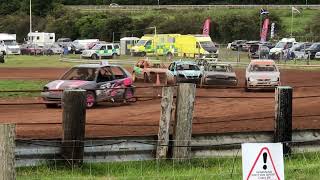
(225, 27)
(185, 2)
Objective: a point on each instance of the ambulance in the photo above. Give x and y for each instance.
(175, 45)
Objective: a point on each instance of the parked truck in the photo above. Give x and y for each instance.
(175, 45)
(41, 38)
(8, 44)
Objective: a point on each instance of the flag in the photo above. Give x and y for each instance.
(263, 11)
(295, 10)
(272, 30)
(264, 30)
(206, 27)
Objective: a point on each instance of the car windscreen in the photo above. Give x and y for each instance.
(262, 68)
(280, 45)
(10, 42)
(207, 45)
(182, 67)
(96, 47)
(80, 73)
(314, 46)
(218, 68)
(141, 43)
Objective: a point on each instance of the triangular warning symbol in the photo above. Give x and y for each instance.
(263, 167)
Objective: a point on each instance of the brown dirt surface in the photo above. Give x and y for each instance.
(212, 115)
(30, 73)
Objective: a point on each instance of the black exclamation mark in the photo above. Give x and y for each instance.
(265, 155)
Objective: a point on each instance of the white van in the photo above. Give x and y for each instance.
(86, 43)
(41, 38)
(8, 44)
(282, 47)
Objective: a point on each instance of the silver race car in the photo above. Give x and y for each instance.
(219, 74)
(102, 82)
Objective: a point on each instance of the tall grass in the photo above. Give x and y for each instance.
(300, 166)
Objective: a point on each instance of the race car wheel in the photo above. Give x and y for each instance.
(127, 95)
(114, 56)
(94, 56)
(143, 54)
(91, 99)
(246, 89)
(49, 106)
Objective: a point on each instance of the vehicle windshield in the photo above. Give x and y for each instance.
(297, 46)
(280, 45)
(64, 40)
(218, 68)
(10, 42)
(314, 46)
(183, 67)
(52, 46)
(208, 46)
(55, 46)
(141, 43)
(96, 47)
(80, 73)
(263, 68)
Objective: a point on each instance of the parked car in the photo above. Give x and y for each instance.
(282, 48)
(1, 57)
(184, 71)
(75, 48)
(204, 60)
(257, 51)
(102, 50)
(219, 74)
(102, 82)
(64, 42)
(31, 49)
(270, 45)
(312, 50)
(114, 5)
(52, 49)
(317, 56)
(262, 74)
(298, 51)
(246, 46)
(237, 44)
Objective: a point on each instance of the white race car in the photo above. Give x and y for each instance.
(262, 74)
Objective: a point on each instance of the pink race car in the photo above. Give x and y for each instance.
(102, 82)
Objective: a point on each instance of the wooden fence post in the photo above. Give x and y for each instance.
(183, 123)
(7, 154)
(73, 125)
(164, 124)
(283, 117)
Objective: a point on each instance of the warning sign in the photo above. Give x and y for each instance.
(262, 161)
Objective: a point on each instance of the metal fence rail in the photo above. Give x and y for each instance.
(36, 152)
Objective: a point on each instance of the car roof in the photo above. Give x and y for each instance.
(219, 63)
(94, 65)
(105, 44)
(252, 42)
(263, 62)
(185, 62)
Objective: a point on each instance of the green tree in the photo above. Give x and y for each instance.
(313, 30)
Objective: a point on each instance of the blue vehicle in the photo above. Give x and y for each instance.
(184, 72)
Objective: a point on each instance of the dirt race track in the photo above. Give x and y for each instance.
(212, 115)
